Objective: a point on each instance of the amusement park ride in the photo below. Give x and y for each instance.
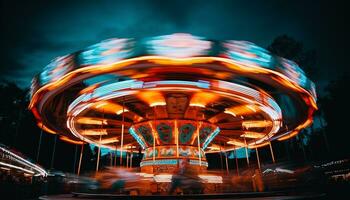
(176, 97)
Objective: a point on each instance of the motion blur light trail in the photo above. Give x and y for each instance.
(175, 96)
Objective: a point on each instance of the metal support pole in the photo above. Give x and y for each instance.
(39, 145)
(81, 157)
(99, 144)
(127, 160)
(177, 139)
(237, 169)
(246, 151)
(221, 160)
(272, 154)
(154, 148)
(227, 171)
(132, 155)
(199, 145)
(111, 158)
(115, 158)
(257, 157)
(122, 137)
(98, 154)
(53, 152)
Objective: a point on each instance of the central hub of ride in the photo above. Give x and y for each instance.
(168, 141)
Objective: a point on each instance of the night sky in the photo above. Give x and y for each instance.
(35, 32)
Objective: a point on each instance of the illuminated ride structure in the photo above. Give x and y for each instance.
(17, 165)
(175, 96)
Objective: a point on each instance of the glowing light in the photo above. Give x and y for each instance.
(211, 137)
(157, 104)
(230, 113)
(94, 121)
(109, 140)
(45, 128)
(94, 132)
(66, 139)
(16, 167)
(213, 148)
(288, 135)
(114, 56)
(200, 163)
(178, 45)
(25, 162)
(121, 111)
(159, 162)
(256, 124)
(197, 105)
(153, 98)
(236, 143)
(210, 178)
(107, 51)
(137, 137)
(239, 110)
(101, 105)
(201, 99)
(251, 108)
(249, 134)
(163, 178)
(253, 145)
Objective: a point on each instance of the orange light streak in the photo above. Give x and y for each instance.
(66, 139)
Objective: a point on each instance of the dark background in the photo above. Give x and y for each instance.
(312, 33)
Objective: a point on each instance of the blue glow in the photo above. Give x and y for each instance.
(109, 88)
(105, 151)
(200, 83)
(178, 45)
(247, 52)
(196, 162)
(240, 153)
(106, 52)
(101, 79)
(211, 137)
(56, 69)
(159, 162)
(137, 138)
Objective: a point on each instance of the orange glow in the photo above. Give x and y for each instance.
(45, 128)
(94, 132)
(92, 70)
(256, 124)
(154, 133)
(108, 107)
(201, 99)
(93, 121)
(249, 134)
(100, 69)
(89, 89)
(296, 130)
(290, 135)
(153, 98)
(236, 142)
(66, 139)
(258, 145)
(241, 110)
(214, 148)
(109, 140)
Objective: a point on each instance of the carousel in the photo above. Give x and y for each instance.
(173, 97)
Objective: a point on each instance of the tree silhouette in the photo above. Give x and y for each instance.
(287, 47)
(335, 109)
